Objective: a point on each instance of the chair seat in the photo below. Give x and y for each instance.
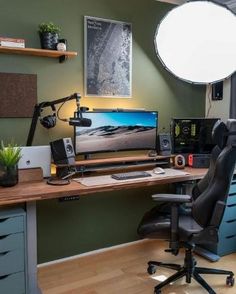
(156, 225)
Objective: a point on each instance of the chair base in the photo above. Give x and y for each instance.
(189, 270)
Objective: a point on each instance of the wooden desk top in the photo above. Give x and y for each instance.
(34, 191)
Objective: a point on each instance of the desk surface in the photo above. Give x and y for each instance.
(34, 191)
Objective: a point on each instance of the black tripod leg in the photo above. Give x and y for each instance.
(171, 279)
(203, 283)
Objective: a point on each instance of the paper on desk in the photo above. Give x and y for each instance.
(107, 179)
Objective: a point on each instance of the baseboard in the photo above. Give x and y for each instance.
(91, 253)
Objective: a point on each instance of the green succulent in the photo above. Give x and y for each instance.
(10, 154)
(49, 27)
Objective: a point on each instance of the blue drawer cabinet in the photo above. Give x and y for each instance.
(227, 230)
(13, 269)
(13, 284)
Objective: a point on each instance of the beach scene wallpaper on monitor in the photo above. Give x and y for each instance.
(117, 131)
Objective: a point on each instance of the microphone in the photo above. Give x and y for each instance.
(80, 122)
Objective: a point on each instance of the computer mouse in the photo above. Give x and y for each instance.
(158, 170)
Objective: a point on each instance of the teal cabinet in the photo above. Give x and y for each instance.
(13, 265)
(227, 230)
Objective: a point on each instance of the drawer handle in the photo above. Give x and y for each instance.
(232, 194)
(3, 237)
(2, 220)
(231, 221)
(4, 253)
(231, 205)
(4, 277)
(230, 237)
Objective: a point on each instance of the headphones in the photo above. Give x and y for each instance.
(48, 121)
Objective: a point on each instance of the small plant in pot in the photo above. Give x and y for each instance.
(49, 34)
(9, 158)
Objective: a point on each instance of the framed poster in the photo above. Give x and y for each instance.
(108, 57)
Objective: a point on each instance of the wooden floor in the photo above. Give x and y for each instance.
(123, 271)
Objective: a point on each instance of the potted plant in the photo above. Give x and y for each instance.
(49, 33)
(9, 158)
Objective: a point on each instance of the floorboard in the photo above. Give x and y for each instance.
(123, 271)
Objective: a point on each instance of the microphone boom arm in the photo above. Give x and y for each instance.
(40, 106)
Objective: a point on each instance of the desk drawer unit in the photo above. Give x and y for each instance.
(13, 271)
(227, 230)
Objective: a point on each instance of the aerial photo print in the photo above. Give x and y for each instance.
(108, 58)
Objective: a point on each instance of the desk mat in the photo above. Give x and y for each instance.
(107, 179)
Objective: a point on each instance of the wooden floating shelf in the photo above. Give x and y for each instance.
(62, 55)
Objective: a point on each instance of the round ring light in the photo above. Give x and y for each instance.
(197, 42)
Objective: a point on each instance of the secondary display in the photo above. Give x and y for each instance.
(117, 131)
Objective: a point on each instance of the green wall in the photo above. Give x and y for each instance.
(92, 222)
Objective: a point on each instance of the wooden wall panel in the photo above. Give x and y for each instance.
(18, 94)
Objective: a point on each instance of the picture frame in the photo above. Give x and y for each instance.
(108, 58)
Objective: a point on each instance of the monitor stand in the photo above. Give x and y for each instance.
(87, 156)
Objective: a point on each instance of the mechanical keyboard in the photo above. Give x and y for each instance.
(131, 175)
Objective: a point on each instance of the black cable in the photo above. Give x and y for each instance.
(59, 108)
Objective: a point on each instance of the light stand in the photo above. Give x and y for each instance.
(77, 121)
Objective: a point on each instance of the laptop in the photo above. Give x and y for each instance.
(36, 156)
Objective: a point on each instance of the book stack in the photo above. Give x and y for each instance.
(12, 42)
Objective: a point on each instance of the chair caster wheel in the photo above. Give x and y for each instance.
(151, 269)
(230, 281)
(157, 291)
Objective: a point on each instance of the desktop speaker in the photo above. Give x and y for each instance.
(217, 91)
(63, 151)
(164, 144)
(179, 161)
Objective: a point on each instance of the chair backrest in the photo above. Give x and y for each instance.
(218, 187)
(219, 139)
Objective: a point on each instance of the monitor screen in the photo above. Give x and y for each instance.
(192, 135)
(117, 131)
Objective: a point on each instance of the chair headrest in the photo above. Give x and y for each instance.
(219, 134)
(231, 136)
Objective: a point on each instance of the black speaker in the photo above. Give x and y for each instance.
(63, 151)
(164, 144)
(217, 91)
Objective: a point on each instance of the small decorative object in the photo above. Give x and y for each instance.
(9, 158)
(49, 33)
(62, 44)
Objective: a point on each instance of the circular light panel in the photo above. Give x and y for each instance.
(197, 42)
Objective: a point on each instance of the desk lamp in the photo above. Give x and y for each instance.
(50, 121)
(196, 42)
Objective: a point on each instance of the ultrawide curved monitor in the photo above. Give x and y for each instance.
(117, 131)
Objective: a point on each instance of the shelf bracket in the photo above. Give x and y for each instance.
(63, 58)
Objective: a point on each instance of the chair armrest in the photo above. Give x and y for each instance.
(174, 198)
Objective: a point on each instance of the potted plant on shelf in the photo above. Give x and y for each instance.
(49, 34)
(9, 158)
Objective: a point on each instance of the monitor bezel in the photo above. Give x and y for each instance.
(118, 150)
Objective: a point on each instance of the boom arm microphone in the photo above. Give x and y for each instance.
(80, 121)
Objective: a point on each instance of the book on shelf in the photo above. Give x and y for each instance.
(12, 42)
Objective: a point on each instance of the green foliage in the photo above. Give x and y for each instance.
(49, 28)
(9, 154)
